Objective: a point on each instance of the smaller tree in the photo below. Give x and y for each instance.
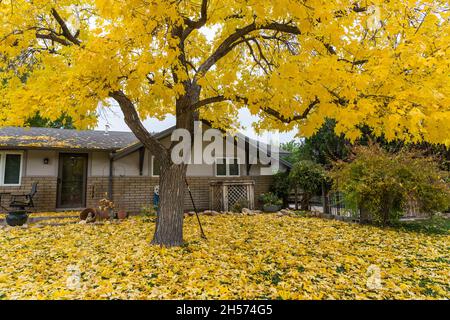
(381, 184)
(281, 187)
(309, 178)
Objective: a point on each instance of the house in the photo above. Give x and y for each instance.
(76, 168)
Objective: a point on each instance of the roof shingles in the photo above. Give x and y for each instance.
(48, 138)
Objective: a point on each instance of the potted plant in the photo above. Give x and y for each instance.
(271, 203)
(106, 208)
(16, 218)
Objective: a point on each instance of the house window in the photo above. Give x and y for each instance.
(156, 167)
(11, 168)
(227, 167)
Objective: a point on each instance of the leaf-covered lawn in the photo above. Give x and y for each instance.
(246, 257)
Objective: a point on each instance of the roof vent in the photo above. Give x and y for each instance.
(107, 129)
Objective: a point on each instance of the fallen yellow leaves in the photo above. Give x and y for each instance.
(245, 257)
(49, 214)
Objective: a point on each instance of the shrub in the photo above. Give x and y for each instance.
(270, 199)
(148, 211)
(381, 184)
(281, 186)
(309, 177)
(239, 205)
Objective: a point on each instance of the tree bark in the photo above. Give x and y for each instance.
(169, 222)
(325, 199)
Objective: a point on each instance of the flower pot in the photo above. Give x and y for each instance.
(271, 208)
(103, 214)
(122, 214)
(16, 218)
(90, 213)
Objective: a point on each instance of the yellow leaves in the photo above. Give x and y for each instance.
(251, 257)
(131, 46)
(3, 278)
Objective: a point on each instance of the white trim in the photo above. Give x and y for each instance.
(151, 169)
(3, 155)
(227, 167)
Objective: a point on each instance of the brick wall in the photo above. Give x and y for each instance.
(136, 192)
(129, 193)
(45, 198)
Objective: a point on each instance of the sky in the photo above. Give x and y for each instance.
(113, 117)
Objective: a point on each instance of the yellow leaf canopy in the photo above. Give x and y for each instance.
(381, 63)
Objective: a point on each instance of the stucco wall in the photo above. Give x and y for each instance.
(35, 166)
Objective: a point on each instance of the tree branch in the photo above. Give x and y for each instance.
(231, 42)
(65, 30)
(54, 38)
(135, 124)
(192, 25)
(274, 113)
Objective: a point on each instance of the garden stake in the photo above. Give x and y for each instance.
(195, 210)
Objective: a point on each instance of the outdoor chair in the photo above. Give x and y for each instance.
(25, 200)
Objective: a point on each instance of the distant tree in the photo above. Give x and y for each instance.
(296, 149)
(309, 177)
(325, 146)
(63, 121)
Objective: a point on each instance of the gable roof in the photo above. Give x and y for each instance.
(49, 138)
(123, 143)
(161, 135)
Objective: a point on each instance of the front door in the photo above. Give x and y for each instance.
(72, 179)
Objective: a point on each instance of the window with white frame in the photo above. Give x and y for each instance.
(10, 168)
(227, 167)
(156, 167)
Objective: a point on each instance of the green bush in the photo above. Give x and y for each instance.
(309, 177)
(270, 199)
(381, 184)
(281, 186)
(240, 205)
(148, 211)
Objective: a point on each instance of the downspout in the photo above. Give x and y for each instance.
(111, 175)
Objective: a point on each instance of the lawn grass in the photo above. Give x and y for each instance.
(434, 225)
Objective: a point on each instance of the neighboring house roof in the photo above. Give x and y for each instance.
(48, 138)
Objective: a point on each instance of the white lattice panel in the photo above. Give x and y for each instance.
(236, 193)
(225, 194)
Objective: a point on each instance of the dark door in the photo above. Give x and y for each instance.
(72, 180)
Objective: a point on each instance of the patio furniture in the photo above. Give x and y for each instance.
(23, 201)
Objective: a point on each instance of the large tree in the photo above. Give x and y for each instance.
(382, 63)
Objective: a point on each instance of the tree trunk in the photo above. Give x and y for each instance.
(169, 222)
(304, 204)
(325, 199)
